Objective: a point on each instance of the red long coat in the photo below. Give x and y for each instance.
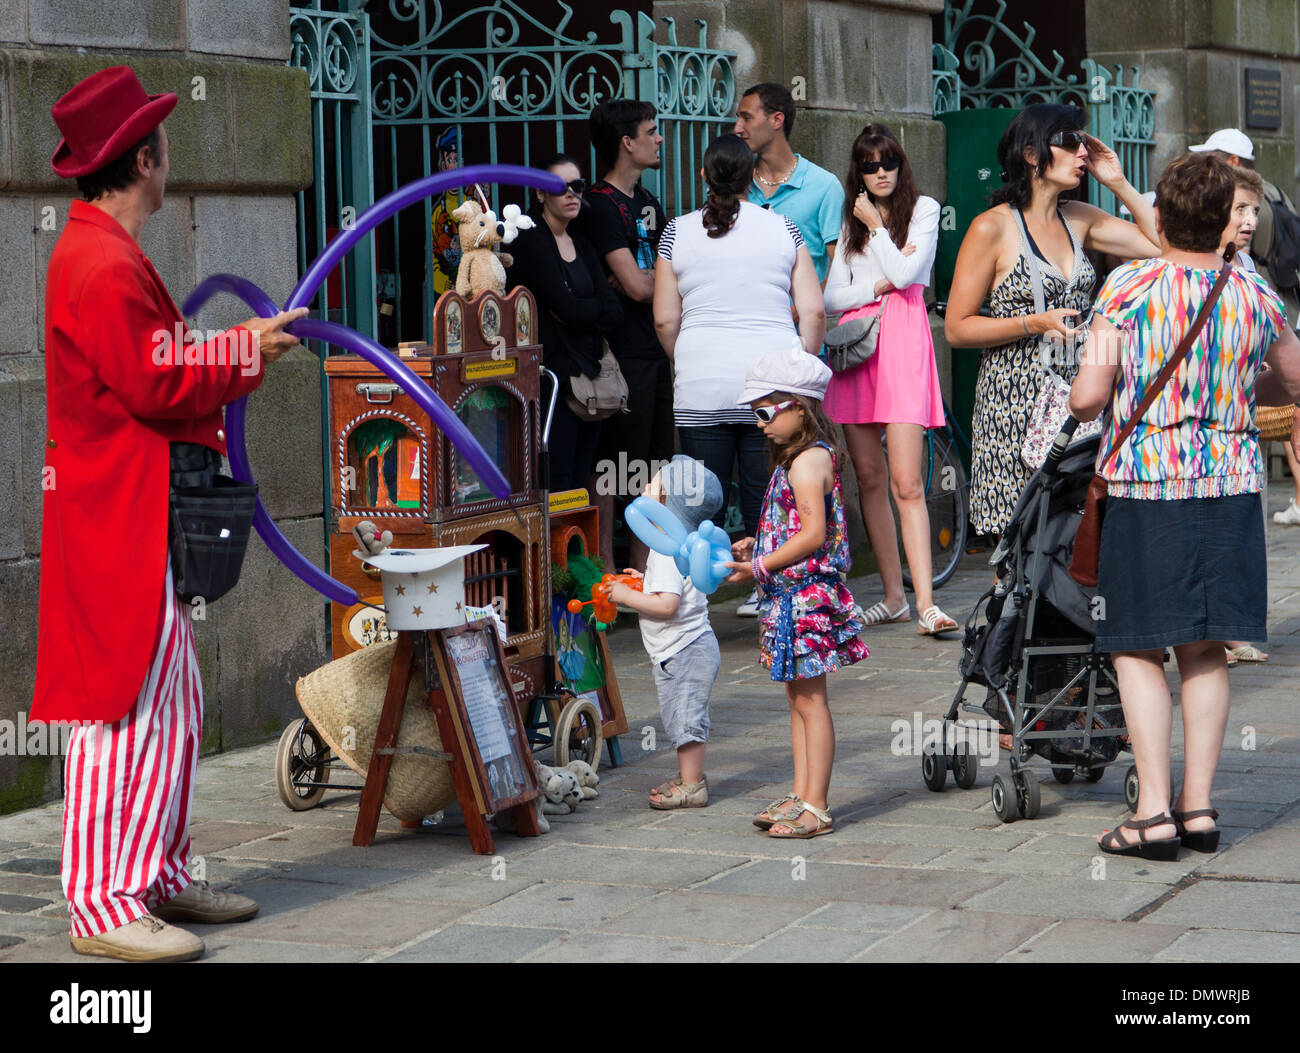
(111, 410)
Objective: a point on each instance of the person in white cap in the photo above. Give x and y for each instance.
(799, 559)
(1235, 147)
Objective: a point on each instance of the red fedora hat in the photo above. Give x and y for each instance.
(102, 117)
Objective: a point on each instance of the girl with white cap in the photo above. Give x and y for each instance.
(799, 559)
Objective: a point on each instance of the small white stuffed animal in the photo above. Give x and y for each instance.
(587, 778)
(560, 788)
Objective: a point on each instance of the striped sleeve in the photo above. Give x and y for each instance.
(793, 231)
(666, 240)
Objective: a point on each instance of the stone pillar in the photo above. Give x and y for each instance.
(240, 146)
(1194, 54)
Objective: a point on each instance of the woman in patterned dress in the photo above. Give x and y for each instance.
(1043, 153)
(810, 623)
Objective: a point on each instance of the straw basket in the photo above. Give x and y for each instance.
(349, 692)
(1274, 422)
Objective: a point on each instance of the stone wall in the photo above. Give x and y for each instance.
(240, 145)
(1194, 53)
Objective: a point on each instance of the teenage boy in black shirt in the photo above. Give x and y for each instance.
(623, 221)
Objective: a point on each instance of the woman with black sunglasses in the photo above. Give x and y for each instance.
(1024, 258)
(887, 248)
(575, 308)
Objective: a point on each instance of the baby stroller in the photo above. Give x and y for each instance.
(1029, 641)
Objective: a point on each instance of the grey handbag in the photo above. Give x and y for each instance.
(599, 397)
(851, 343)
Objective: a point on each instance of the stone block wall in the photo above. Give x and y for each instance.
(1194, 53)
(240, 146)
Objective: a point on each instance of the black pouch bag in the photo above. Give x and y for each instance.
(211, 516)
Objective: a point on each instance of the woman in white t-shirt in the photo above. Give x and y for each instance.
(724, 281)
(882, 267)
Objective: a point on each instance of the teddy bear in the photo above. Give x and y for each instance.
(480, 231)
(588, 780)
(369, 539)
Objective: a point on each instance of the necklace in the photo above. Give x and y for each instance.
(776, 182)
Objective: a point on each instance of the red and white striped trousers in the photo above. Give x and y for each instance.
(126, 816)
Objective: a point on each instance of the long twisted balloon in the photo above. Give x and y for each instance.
(341, 336)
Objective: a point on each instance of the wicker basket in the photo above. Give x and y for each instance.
(349, 693)
(1274, 422)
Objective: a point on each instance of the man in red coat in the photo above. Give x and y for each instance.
(125, 380)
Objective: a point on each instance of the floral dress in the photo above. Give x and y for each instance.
(1007, 385)
(809, 622)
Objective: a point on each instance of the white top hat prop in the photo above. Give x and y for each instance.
(424, 588)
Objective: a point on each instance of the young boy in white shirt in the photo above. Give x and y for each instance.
(674, 618)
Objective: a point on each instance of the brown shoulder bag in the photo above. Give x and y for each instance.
(1087, 541)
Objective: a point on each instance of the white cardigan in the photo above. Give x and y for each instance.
(852, 281)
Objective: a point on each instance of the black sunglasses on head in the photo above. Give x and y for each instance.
(1068, 140)
(872, 167)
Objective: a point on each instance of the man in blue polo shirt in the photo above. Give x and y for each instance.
(785, 182)
(809, 196)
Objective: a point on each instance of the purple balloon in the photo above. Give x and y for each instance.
(514, 175)
(263, 306)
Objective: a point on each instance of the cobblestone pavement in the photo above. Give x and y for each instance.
(908, 875)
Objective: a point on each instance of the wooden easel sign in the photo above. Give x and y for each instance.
(480, 725)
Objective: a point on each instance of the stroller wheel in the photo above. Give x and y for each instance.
(1095, 774)
(302, 758)
(1131, 788)
(934, 768)
(1006, 806)
(1063, 775)
(965, 767)
(1032, 800)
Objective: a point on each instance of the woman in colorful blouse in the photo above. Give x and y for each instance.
(1182, 546)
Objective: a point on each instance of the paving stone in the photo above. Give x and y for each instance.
(862, 916)
(560, 904)
(955, 936)
(215, 836)
(710, 917)
(839, 881)
(477, 943)
(1088, 940)
(1069, 897)
(10, 904)
(228, 950)
(1263, 906)
(350, 921)
(617, 866)
(1232, 945)
(1266, 854)
(800, 944)
(596, 948)
(31, 865)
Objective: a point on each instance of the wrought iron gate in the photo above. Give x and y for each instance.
(1121, 115)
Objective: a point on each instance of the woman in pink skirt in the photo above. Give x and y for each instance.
(886, 250)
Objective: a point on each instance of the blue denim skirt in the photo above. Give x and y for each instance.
(1174, 572)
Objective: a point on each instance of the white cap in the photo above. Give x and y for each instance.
(1230, 141)
(794, 371)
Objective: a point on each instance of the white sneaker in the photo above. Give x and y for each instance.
(749, 609)
(146, 939)
(1289, 516)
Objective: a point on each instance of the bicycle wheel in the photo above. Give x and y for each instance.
(946, 501)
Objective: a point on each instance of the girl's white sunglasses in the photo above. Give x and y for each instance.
(767, 414)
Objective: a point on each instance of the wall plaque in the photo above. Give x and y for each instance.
(1263, 98)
